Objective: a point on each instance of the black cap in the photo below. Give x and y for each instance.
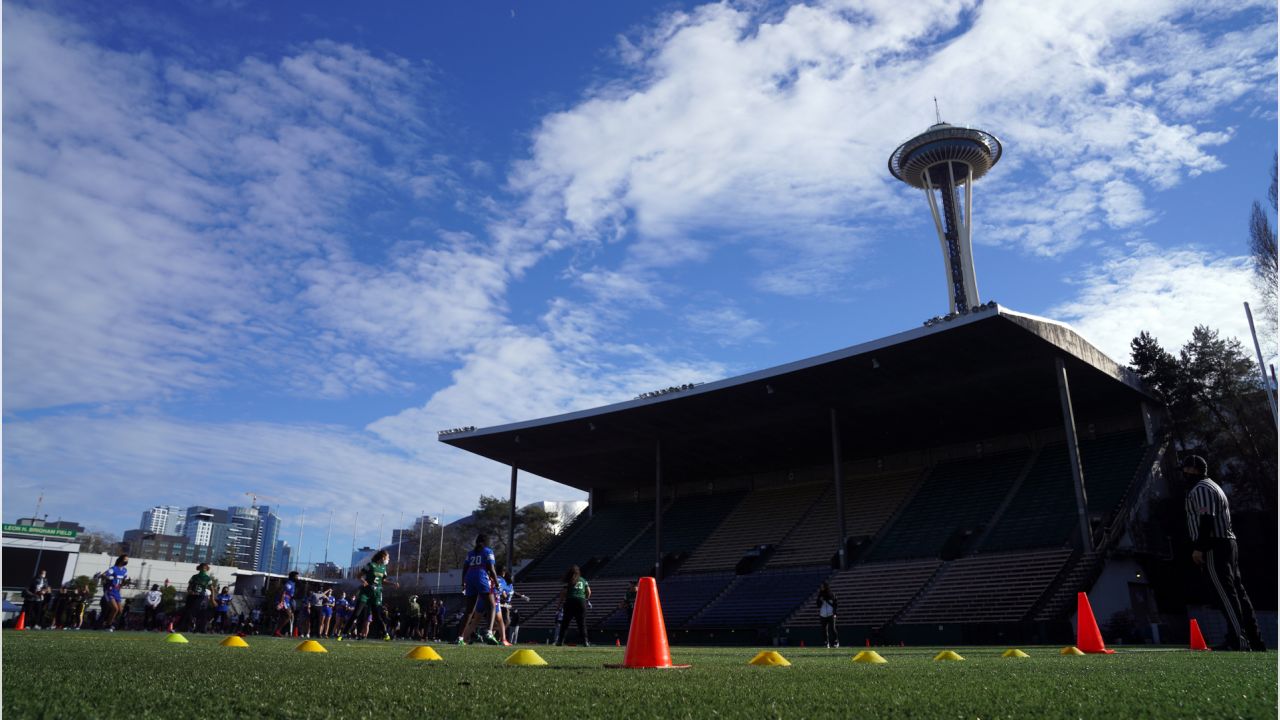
(1196, 463)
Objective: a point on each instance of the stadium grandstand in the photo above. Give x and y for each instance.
(958, 482)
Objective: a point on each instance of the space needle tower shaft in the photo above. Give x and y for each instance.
(941, 161)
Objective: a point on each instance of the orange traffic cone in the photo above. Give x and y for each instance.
(22, 621)
(617, 642)
(1197, 639)
(647, 642)
(1088, 637)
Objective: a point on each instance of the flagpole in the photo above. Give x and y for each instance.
(302, 524)
(440, 557)
(355, 525)
(422, 529)
(328, 533)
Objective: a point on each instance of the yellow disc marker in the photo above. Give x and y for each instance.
(947, 655)
(234, 641)
(869, 656)
(310, 646)
(175, 638)
(424, 652)
(769, 658)
(525, 658)
(1014, 653)
(1070, 650)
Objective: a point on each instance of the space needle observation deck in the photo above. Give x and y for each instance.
(940, 161)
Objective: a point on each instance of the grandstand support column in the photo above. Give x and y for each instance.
(657, 511)
(511, 521)
(1073, 454)
(837, 465)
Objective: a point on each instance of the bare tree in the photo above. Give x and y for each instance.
(1262, 245)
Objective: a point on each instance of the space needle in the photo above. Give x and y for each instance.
(940, 161)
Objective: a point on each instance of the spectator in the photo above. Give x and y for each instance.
(415, 617)
(34, 598)
(326, 612)
(827, 615)
(152, 599)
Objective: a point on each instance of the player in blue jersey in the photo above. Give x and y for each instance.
(342, 612)
(507, 593)
(222, 609)
(113, 578)
(479, 588)
(284, 608)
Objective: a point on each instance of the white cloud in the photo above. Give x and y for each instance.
(762, 124)
(726, 324)
(138, 461)
(1164, 292)
(172, 228)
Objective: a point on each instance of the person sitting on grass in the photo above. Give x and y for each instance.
(284, 608)
(369, 597)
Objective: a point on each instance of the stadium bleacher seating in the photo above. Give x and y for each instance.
(602, 536)
(957, 495)
(686, 523)
(760, 600)
(868, 502)
(763, 517)
(1043, 511)
(606, 597)
(870, 594)
(998, 587)
(682, 597)
(1109, 464)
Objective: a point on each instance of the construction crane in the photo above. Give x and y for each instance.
(256, 497)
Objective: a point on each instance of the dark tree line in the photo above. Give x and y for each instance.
(1217, 407)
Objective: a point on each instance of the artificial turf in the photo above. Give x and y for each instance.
(132, 675)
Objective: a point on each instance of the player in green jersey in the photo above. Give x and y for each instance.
(369, 596)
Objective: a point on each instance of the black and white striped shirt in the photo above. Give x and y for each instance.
(1207, 498)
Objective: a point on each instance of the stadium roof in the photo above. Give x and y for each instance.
(976, 376)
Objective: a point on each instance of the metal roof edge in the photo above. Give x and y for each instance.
(993, 311)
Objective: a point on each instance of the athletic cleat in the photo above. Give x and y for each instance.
(461, 642)
(386, 638)
(489, 639)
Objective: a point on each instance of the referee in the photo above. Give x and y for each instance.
(1214, 549)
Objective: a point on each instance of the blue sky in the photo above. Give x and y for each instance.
(275, 248)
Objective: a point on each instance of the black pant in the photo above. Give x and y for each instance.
(34, 609)
(574, 609)
(193, 613)
(829, 630)
(149, 617)
(1222, 565)
(379, 614)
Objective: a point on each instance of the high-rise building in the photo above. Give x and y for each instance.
(268, 534)
(208, 526)
(243, 538)
(281, 557)
(163, 520)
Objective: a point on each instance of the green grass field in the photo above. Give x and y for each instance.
(131, 675)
